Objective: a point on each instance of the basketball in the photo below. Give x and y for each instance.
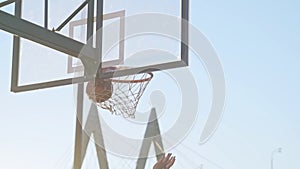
(99, 90)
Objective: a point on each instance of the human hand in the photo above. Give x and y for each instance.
(165, 163)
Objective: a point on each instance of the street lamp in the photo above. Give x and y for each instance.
(277, 150)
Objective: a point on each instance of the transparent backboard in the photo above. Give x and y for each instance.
(138, 35)
(141, 36)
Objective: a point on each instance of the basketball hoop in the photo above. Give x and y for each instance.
(119, 95)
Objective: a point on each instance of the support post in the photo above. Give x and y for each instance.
(92, 127)
(16, 50)
(78, 133)
(46, 15)
(99, 31)
(152, 134)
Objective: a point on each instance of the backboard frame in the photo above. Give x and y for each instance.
(72, 47)
(73, 50)
(114, 15)
(184, 53)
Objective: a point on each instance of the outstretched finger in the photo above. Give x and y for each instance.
(170, 162)
(167, 158)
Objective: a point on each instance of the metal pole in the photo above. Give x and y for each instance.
(46, 15)
(38, 34)
(153, 132)
(277, 150)
(79, 141)
(99, 31)
(272, 159)
(16, 51)
(72, 15)
(2, 4)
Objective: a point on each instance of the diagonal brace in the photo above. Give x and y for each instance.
(2, 4)
(43, 36)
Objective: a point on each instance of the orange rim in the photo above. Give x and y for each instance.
(129, 81)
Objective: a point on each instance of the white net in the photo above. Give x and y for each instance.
(119, 95)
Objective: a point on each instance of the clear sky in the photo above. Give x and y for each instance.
(258, 45)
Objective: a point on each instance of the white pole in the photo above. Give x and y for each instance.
(277, 150)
